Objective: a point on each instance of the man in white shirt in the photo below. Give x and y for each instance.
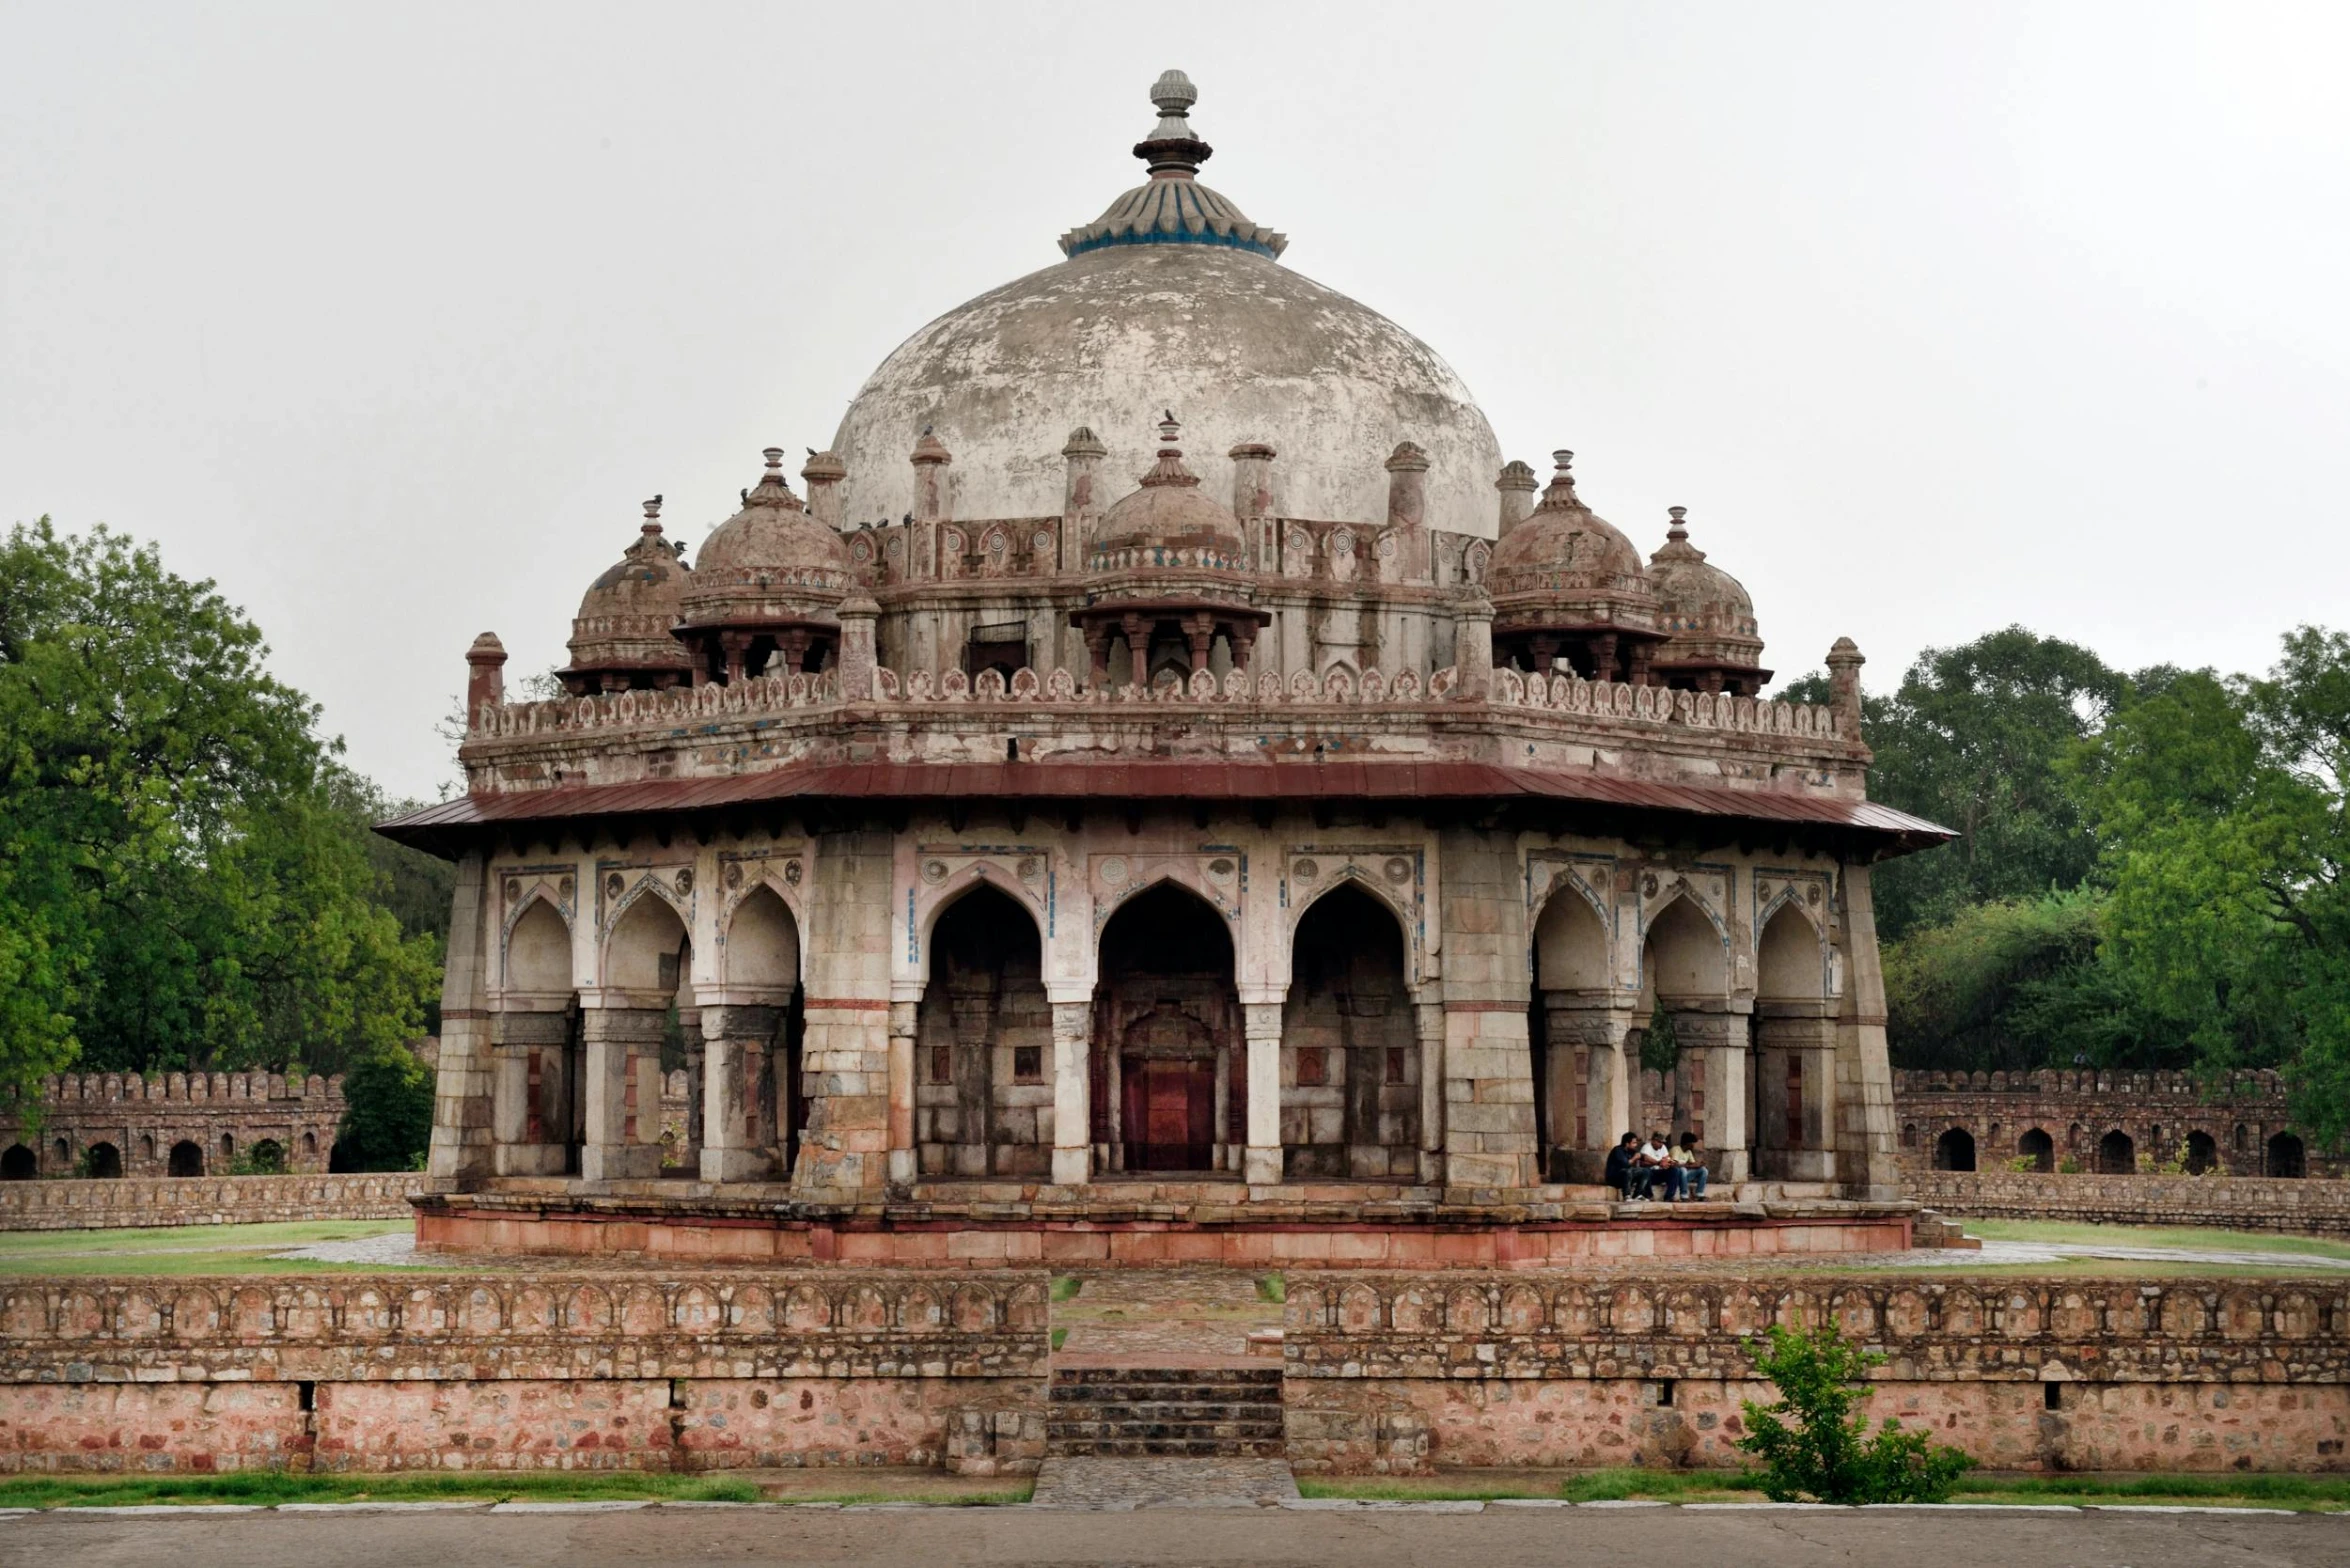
(1656, 1162)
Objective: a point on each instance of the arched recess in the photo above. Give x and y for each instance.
(1169, 1081)
(1683, 957)
(763, 1023)
(104, 1159)
(1795, 1049)
(1684, 970)
(538, 950)
(1350, 1078)
(18, 1163)
(2117, 1154)
(1575, 1030)
(983, 1042)
(267, 1157)
(2038, 1147)
(2286, 1157)
(930, 905)
(2202, 1153)
(1955, 1150)
(645, 952)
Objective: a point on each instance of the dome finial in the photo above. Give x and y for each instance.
(1170, 470)
(1679, 528)
(1173, 150)
(653, 516)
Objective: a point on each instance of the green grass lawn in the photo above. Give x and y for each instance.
(265, 1487)
(2180, 1236)
(187, 1249)
(2309, 1494)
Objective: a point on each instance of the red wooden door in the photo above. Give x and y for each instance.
(1170, 1114)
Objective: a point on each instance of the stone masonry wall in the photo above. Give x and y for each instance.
(1397, 1372)
(143, 1119)
(2157, 1111)
(2301, 1208)
(205, 1200)
(640, 1370)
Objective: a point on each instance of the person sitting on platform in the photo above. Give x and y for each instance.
(1619, 1166)
(1689, 1169)
(1653, 1166)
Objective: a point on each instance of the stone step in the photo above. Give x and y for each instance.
(1165, 1393)
(1260, 1377)
(1169, 1448)
(1163, 1410)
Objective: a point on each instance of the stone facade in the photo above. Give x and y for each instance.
(206, 1200)
(1394, 1373)
(170, 1124)
(2313, 1207)
(2104, 1123)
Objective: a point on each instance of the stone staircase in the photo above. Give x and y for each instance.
(1165, 1412)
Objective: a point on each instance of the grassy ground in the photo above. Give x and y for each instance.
(2179, 1236)
(187, 1249)
(2310, 1494)
(265, 1487)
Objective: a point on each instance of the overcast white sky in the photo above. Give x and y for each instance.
(1937, 318)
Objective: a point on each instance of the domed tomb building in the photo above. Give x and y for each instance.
(1169, 771)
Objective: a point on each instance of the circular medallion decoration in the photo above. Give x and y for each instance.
(1114, 871)
(1399, 869)
(1029, 868)
(1762, 890)
(1307, 871)
(613, 885)
(564, 888)
(1042, 542)
(1220, 870)
(791, 872)
(685, 880)
(1648, 885)
(1811, 895)
(513, 889)
(934, 871)
(734, 873)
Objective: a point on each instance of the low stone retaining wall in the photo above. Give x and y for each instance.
(2304, 1207)
(205, 1200)
(643, 1371)
(1393, 1373)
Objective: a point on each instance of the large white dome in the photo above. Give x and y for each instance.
(1171, 300)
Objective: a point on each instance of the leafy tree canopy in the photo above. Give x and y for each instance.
(186, 875)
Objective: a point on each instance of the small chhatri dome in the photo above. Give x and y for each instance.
(1173, 208)
(620, 638)
(1566, 551)
(770, 563)
(1168, 522)
(1707, 612)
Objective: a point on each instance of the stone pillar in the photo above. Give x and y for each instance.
(844, 1049)
(1864, 1076)
(485, 676)
(1261, 1160)
(858, 613)
(532, 1131)
(1428, 1029)
(739, 1131)
(902, 1021)
(623, 1090)
(931, 508)
(689, 1153)
(1718, 1040)
(1516, 487)
(1488, 1062)
(1844, 662)
(1795, 1091)
(1407, 514)
(1581, 1027)
(462, 1135)
(1472, 645)
(823, 473)
(1080, 502)
(1252, 503)
(1072, 1114)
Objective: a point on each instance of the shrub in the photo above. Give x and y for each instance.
(387, 1111)
(1813, 1447)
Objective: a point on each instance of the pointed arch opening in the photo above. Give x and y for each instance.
(1576, 1033)
(538, 951)
(1955, 1150)
(2287, 1157)
(1795, 1051)
(2202, 1153)
(1350, 1078)
(19, 1163)
(2038, 1147)
(983, 1043)
(103, 1160)
(1169, 1087)
(2117, 1154)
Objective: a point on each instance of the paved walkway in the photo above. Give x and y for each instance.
(1165, 1318)
(1114, 1485)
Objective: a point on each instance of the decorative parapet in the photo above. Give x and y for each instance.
(59, 1089)
(2255, 1086)
(832, 1323)
(143, 1202)
(778, 695)
(1522, 1326)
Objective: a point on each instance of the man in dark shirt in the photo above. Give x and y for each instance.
(1619, 1165)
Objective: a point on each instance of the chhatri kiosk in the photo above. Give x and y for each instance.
(1163, 787)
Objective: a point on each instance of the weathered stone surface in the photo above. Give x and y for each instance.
(205, 1200)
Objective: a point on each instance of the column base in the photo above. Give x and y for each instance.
(1431, 1167)
(902, 1167)
(1072, 1167)
(529, 1159)
(737, 1165)
(620, 1162)
(1261, 1167)
(1727, 1165)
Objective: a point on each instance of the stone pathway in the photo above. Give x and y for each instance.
(2061, 1251)
(1165, 1318)
(396, 1250)
(1117, 1485)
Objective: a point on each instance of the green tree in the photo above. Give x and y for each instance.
(1813, 1447)
(184, 880)
(2220, 810)
(387, 1112)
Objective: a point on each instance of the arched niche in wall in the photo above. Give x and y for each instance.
(538, 950)
(1683, 958)
(645, 949)
(983, 1041)
(1350, 1100)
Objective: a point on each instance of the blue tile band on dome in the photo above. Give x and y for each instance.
(1169, 237)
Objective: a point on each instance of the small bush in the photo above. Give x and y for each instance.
(1811, 1445)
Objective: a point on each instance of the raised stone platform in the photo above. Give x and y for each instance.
(1149, 1223)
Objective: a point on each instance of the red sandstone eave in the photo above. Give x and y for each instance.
(1883, 830)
